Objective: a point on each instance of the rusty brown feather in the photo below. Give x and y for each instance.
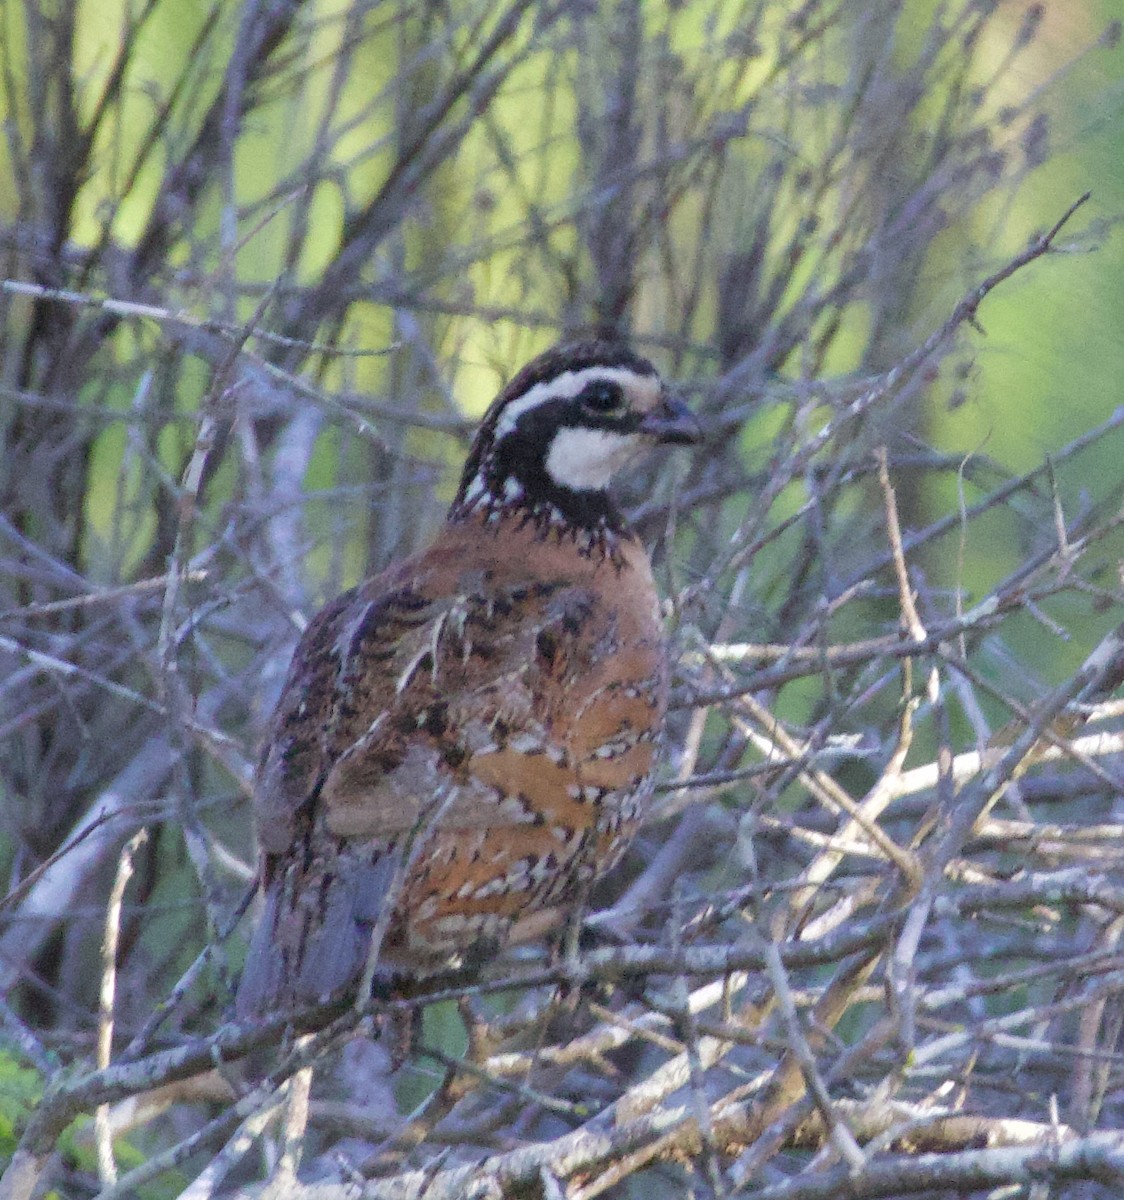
(466, 740)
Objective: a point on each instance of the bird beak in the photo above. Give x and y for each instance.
(672, 422)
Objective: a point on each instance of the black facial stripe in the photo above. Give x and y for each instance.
(626, 422)
(522, 453)
(537, 426)
(525, 461)
(519, 455)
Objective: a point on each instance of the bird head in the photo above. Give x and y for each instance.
(553, 439)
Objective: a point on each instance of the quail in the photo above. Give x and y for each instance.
(467, 740)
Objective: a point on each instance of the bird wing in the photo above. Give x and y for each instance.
(453, 729)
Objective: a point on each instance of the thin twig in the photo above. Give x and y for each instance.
(107, 1166)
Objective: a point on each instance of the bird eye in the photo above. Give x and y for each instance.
(604, 399)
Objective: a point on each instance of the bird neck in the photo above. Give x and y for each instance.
(589, 519)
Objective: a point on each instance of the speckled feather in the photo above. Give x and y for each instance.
(472, 732)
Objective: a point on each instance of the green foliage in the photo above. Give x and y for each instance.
(20, 1091)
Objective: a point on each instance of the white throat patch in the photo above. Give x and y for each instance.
(584, 460)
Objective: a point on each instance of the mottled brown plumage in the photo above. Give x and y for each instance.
(466, 740)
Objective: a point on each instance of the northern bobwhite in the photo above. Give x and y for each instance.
(466, 740)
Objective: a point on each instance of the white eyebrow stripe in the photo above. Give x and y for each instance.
(565, 387)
